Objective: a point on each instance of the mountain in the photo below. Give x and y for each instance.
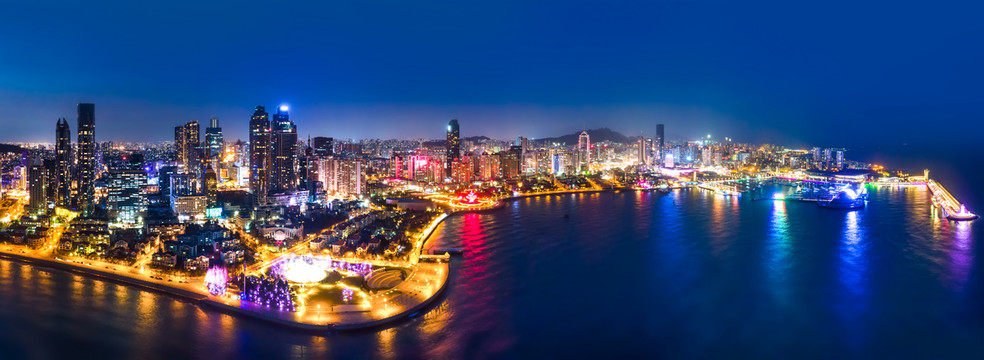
(596, 135)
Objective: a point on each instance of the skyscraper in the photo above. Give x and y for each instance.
(641, 143)
(125, 202)
(323, 146)
(63, 162)
(210, 183)
(187, 145)
(284, 145)
(37, 178)
(583, 152)
(213, 139)
(259, 152)
(452, 147)
(86, 158)
(659, 141)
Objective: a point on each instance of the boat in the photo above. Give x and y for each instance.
(962, 215)
(846, 199)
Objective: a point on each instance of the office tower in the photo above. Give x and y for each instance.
(259, 153)
(187, 144)
(583, 152)
(213, 139)
(164, 182)
(660, 139)
(452, 146)
(51, 181)
(86, 158)
(323, 146)
(641, 150)
(284, 146)
(210, 184)
(37, 178)
(125, 201)
(839, 158)
(510, 162)
(63, 159)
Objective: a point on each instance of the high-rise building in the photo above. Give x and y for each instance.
(323, 146)
(210, 183)
(660, 141)
(37, 178)
(125, 200)
(259, 153)
(187, 145)
(213, 139)
(284, 146)
(452, 146)
(86, 158)
(342, 177)
(510, 162)
(641, 150)
(582, 153)
(63, 162)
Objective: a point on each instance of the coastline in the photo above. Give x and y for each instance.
(419, 290)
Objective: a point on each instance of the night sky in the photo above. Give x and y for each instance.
(789, 72)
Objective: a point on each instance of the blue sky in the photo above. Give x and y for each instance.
(837, 73)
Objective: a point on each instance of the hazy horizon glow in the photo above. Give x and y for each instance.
(777, 72)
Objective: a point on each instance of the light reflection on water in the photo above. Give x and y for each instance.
(687, 273)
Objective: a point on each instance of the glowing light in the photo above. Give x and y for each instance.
(215, 280)
(283, 108)
(778, 196)
(304, 272)
(851, 194)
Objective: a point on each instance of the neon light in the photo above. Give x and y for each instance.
(778, 196)
(216, 279)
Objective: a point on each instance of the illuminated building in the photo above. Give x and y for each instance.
(210, 184)
(582, 154)
(126, 202)
(86, 157)
(641, 151)
(452, 146)
(63, 162)
(284, 146)
(37, 187)
(462, 170)
(324, 146)
(187, 144)
(259, 153)
(509, 162)
(213, 139)
(189, 207)
(660, 141)
(342, 176)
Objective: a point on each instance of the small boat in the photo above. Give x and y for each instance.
(962, 215)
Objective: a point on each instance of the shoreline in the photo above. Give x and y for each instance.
(333, 322)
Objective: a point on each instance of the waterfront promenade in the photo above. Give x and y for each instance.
(424, 284)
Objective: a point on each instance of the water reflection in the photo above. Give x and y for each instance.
(852, 270)
(961, 255)
(779, 250)
(853, 264)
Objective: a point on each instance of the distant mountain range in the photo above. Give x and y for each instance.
(596, 136)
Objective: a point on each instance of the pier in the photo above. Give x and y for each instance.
(953, 209)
